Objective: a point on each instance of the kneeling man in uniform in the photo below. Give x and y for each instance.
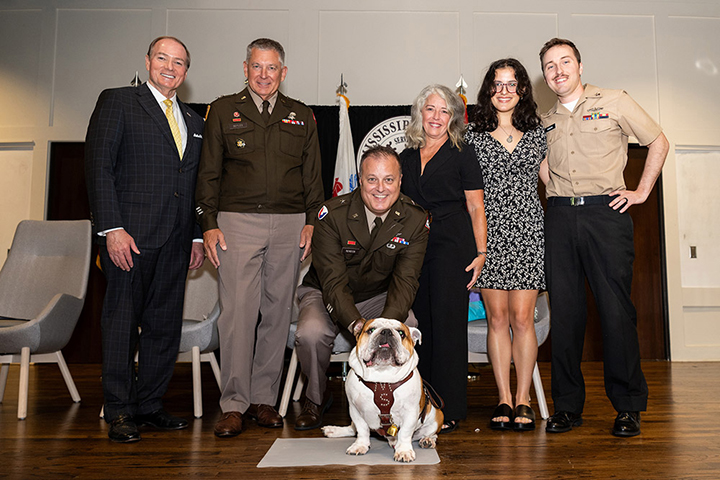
(368, 250)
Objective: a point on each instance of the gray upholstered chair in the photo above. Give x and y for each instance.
(42, 292)
(199, 331)
(477, 345)
(344, 342)
(199, 338)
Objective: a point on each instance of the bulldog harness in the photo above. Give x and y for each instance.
(384, 398)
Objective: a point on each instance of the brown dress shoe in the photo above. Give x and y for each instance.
(312, 414)
(230, 425)
(266, 415)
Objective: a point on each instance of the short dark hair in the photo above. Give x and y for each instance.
(379, 151)
(168, 37)
(266, 44)
(554, 42)
(524, 118)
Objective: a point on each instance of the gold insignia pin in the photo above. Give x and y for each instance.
(292, 115)
(240, 143)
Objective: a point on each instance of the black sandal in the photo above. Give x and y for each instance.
(502, 410)
(449, 426)
(524, 411)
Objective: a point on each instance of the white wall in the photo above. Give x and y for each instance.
(57, 55)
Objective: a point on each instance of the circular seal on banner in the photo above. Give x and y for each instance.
(390, 133)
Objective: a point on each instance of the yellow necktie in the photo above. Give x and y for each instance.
(173, 125)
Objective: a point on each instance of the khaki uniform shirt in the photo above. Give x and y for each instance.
(248, 167)
(587, 149)
(348, 268)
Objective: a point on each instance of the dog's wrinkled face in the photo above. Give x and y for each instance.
(385, 342)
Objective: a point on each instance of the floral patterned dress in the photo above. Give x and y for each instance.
(516, 243)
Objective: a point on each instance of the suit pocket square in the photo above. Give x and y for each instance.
(197, 135)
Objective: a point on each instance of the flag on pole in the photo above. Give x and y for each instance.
(461, 88)
(346, 179)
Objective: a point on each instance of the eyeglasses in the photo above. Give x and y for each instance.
(511, 87)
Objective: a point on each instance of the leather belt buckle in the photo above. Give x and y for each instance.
(577, 201)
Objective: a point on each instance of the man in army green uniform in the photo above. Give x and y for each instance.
(259, 189)
(368, 252)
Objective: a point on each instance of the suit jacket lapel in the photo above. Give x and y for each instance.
(247, 107)
(281, 110)
(391, 226)
(411, 172)
(436, 163)
(151, 106)
(357, 221)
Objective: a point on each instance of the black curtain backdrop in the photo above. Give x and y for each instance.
(362, 120)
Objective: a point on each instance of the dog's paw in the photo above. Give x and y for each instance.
(335, 431)
(357, 448)
(404, 455)
(428, 442)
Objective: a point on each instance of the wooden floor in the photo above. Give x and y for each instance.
(59, 439)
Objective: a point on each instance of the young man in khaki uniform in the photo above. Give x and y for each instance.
(259, 189)
(368, 252)
(589, 235)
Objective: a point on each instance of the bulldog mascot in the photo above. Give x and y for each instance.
(385, 391)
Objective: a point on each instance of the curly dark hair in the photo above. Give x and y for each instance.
(525, 117)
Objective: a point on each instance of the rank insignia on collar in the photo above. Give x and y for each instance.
(240, 143)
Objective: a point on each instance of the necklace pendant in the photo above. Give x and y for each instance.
(509, 139)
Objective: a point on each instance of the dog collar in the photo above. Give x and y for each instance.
(384, 398)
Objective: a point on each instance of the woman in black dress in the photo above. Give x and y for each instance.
(511, 146)
(443, 175)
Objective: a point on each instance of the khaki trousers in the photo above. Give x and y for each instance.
(257, 275)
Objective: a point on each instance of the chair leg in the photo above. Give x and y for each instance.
(4, 369)
(540, 393)
(68, 378)
(215, 368)
(289, 380)
(24, 382)
(197, 382)
(299, 387)
(102, 411)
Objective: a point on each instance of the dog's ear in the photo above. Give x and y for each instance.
(415, 335)
(357, 326)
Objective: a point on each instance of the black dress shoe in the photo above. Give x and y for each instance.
(562, 422)
(312, 414)
(124, 430)
(162, 420)
(627, 424)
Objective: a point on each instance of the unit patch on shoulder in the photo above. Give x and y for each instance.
(322, 213)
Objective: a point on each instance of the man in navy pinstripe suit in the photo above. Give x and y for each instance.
(141, 157)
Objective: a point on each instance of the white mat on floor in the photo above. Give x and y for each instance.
(302, 452)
